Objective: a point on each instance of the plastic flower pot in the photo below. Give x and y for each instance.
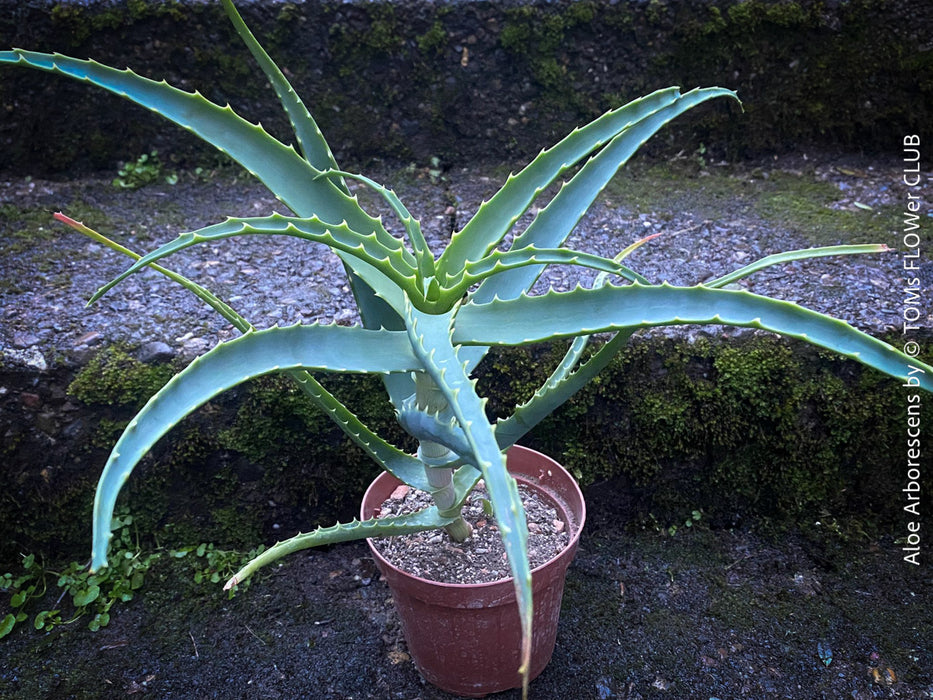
(465, 638)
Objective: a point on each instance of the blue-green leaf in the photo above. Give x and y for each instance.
(499, 262)
(287, 175)
(587, 311)
(388, 256)
(431, 341)
(310, 139)
(497, 216)
(411, 224)
(427, 519)
(326, 348)
(404, 466)
(791, 255)
(557, 220)
(442, 429)
(622, 131)
(559, 386)
(291, 178)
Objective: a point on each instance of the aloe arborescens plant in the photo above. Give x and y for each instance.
(428, 319)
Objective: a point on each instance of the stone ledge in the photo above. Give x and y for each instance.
(417, 79)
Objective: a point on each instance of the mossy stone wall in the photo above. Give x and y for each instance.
(414, 79)
(752, 431)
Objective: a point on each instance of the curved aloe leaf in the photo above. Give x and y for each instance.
(791, 255)
(411, 224)
(403, 466)
(427, 519)
(327, 348)
(205, 295)
(559, 387)
(497, 216)
(575, 352)
(387, 259)
(310, 139)
(439, 428)
(564, 382)
(499, 262)
(552, 225)
(555, 222)
(584, 311)
(287, 174)
(431, 342)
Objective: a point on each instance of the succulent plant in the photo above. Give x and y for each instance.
(428, 319)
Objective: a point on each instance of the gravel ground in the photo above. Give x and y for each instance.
(714, 218)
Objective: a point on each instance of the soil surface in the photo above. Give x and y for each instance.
(701, 614)
(481, 558)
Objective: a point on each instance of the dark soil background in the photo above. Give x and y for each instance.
(700, 614)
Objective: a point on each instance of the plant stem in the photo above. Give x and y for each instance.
(429, 398)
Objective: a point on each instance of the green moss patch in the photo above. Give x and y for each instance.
(114, 378)
(750, 430)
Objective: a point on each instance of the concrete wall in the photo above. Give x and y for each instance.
(415, 79)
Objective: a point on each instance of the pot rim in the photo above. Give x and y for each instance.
(526, 479)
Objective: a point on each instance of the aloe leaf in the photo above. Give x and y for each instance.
(555, 222)
(403, 466)
(279, 167)
(790, 255)
(632, 247)
(208, 297)
(389, 260)
(430, 337)
(498, 262)
(564, 382)
(289, 176)
(497, 216)
(310, 139)
(327, 348)
(411, 224)
(580, 342)
(442, 429)
(427, 519)
(585, 311)
(466, 477)
(528, 415)
(559, 387)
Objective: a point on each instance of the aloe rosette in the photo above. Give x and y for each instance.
(428, 320)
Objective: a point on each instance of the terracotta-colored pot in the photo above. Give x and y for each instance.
(465, 638)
